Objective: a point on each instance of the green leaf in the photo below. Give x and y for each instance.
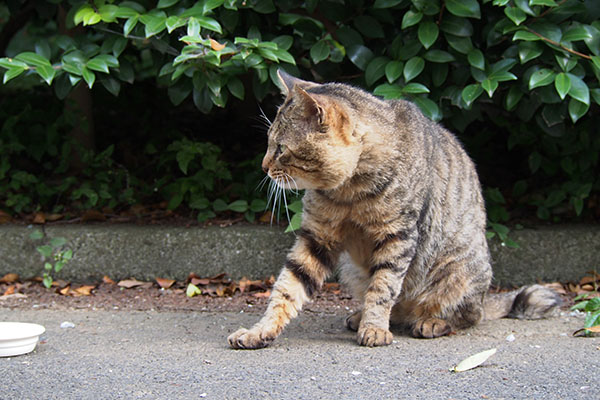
(490, 86)
(535, 161)
(129, 25)
(541, 77)
(386, 3)
(210, 24)
(284, 56)
(108, 13)
(393, 70)
(411, 18)
(525, 35)
(166, 3)
(36, 235)
(429, 108)
(258, 205)
(577, 109)
(319, 51)
(415, 88)
(438, 56)
(388, 91)
(13, 73)
(88, 77)
(98, 65)
(112, 85)
(596, 61)
(471, 92)
(576, 33)
(549, 3)
(464, 8)
(360, 56)
(219, 205)
(10, 63)
(529, 51)
(154, 23)
(461, 44)
(562, 83)
(193, 27)
(238, 206)
(295, 223)
(512, 98)
(375, 70)
(236, 87)
(476, 59)
(46, 72)
(579, 90)
(413, 68)
(516, 15)
(428, 33)
(33, 59)
(45, 250)
(368, 26)
(456, 26)
(174, 22)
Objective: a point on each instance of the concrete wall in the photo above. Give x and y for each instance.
(145, 252)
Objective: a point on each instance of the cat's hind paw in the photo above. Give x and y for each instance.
(431, 328)
(249, 339)
(353, 321)
(372, 336)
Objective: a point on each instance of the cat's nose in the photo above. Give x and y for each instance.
(265, 168)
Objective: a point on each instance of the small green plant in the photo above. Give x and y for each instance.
(591, 307)
(55, 256)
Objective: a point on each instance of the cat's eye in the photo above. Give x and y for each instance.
(281, 148)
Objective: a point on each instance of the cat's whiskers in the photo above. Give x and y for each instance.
(276, 194)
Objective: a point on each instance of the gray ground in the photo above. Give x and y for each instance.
(172, 355)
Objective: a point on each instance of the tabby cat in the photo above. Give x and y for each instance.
(394, 201)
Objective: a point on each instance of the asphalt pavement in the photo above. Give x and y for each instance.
(185, 355)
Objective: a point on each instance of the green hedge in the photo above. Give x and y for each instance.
(525, 72)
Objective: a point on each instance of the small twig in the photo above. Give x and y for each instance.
(558, 44)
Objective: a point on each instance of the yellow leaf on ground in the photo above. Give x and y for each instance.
(474, 361)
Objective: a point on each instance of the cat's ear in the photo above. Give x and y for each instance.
(313, 109)
(287, 82)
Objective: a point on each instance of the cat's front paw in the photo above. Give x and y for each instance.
(373, 336)
(249, 339)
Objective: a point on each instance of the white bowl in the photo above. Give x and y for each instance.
(18, 338)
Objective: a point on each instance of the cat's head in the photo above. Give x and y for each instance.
(312, 141)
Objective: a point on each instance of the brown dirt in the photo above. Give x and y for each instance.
(110, 296)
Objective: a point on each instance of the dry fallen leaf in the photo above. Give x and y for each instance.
(39, 219)
(474, 361)
(9, 278)
(54, 217)
(106, 279)
(65, 291)
(9, 290)
(216, 45)
(165, 283)
(262, 294)
(93, 215)
(85, 290)
(4, 217)
(130, 283)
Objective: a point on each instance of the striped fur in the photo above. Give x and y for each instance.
(393, 199)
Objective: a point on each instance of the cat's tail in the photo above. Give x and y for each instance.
(527, 302)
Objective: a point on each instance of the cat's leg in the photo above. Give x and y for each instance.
(308, 264)
(356, 279)
(391, 257)
(452, 300)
